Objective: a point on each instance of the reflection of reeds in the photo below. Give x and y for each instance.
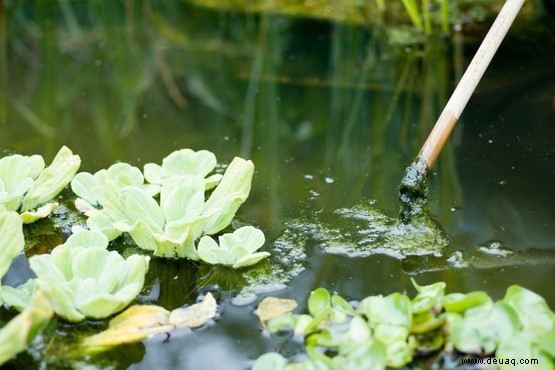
(3, 71)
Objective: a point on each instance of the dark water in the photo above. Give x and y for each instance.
(330, 113)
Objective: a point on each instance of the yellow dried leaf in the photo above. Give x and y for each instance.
(195, 315)
(271, 307)
(132, 325)
(140, 322)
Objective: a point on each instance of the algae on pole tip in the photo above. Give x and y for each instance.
(413, 194)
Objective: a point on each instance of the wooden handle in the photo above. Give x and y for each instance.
(452, 111)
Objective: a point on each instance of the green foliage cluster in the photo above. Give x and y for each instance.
(391, 331)
(25, 182)
(81, 279)
(169, 212)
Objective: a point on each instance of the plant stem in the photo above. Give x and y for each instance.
(444, 17)
(414, 14)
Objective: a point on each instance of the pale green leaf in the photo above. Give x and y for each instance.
(88, 281)
(52, 179)
(459, 302)
(11, 239)
(19, 298)
(399, 353)
(517, 352)
(86, 186)
(140, 206)
(19, 172)
(234, 248)
(210, 252)
(429, 296)
(532, 309)
(179, 199)
(212, 181)
(250, 259)
(87, 238)
(231, 192)
(250, 237)
(100, 222)
(19, 332)
(183, 163)
(319, 302)
(270, 361)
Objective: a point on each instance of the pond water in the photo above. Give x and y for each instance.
(331, 113)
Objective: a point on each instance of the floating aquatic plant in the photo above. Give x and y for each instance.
(390, 331)
(18, 333)
(118, 200)
(236, 249)
(25, 182)
(184, 163)
(99, 195)
(82, 279)
(11, 240)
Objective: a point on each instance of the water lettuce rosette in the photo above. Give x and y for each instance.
(82, 279)
(117, 200)
(170, 229)
(26, 184)
(235, 249)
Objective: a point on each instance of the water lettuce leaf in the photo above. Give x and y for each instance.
(231, 192)
(428, 297)
(236, 249)
(532, 309)
(11, 240)
(481, 329)
(18, 333)
(99, 195)
(82, 279)
(25, 182)
(52, 179)
(390, 316)
(184, 163)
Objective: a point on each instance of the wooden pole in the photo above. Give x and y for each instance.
(452, 111)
